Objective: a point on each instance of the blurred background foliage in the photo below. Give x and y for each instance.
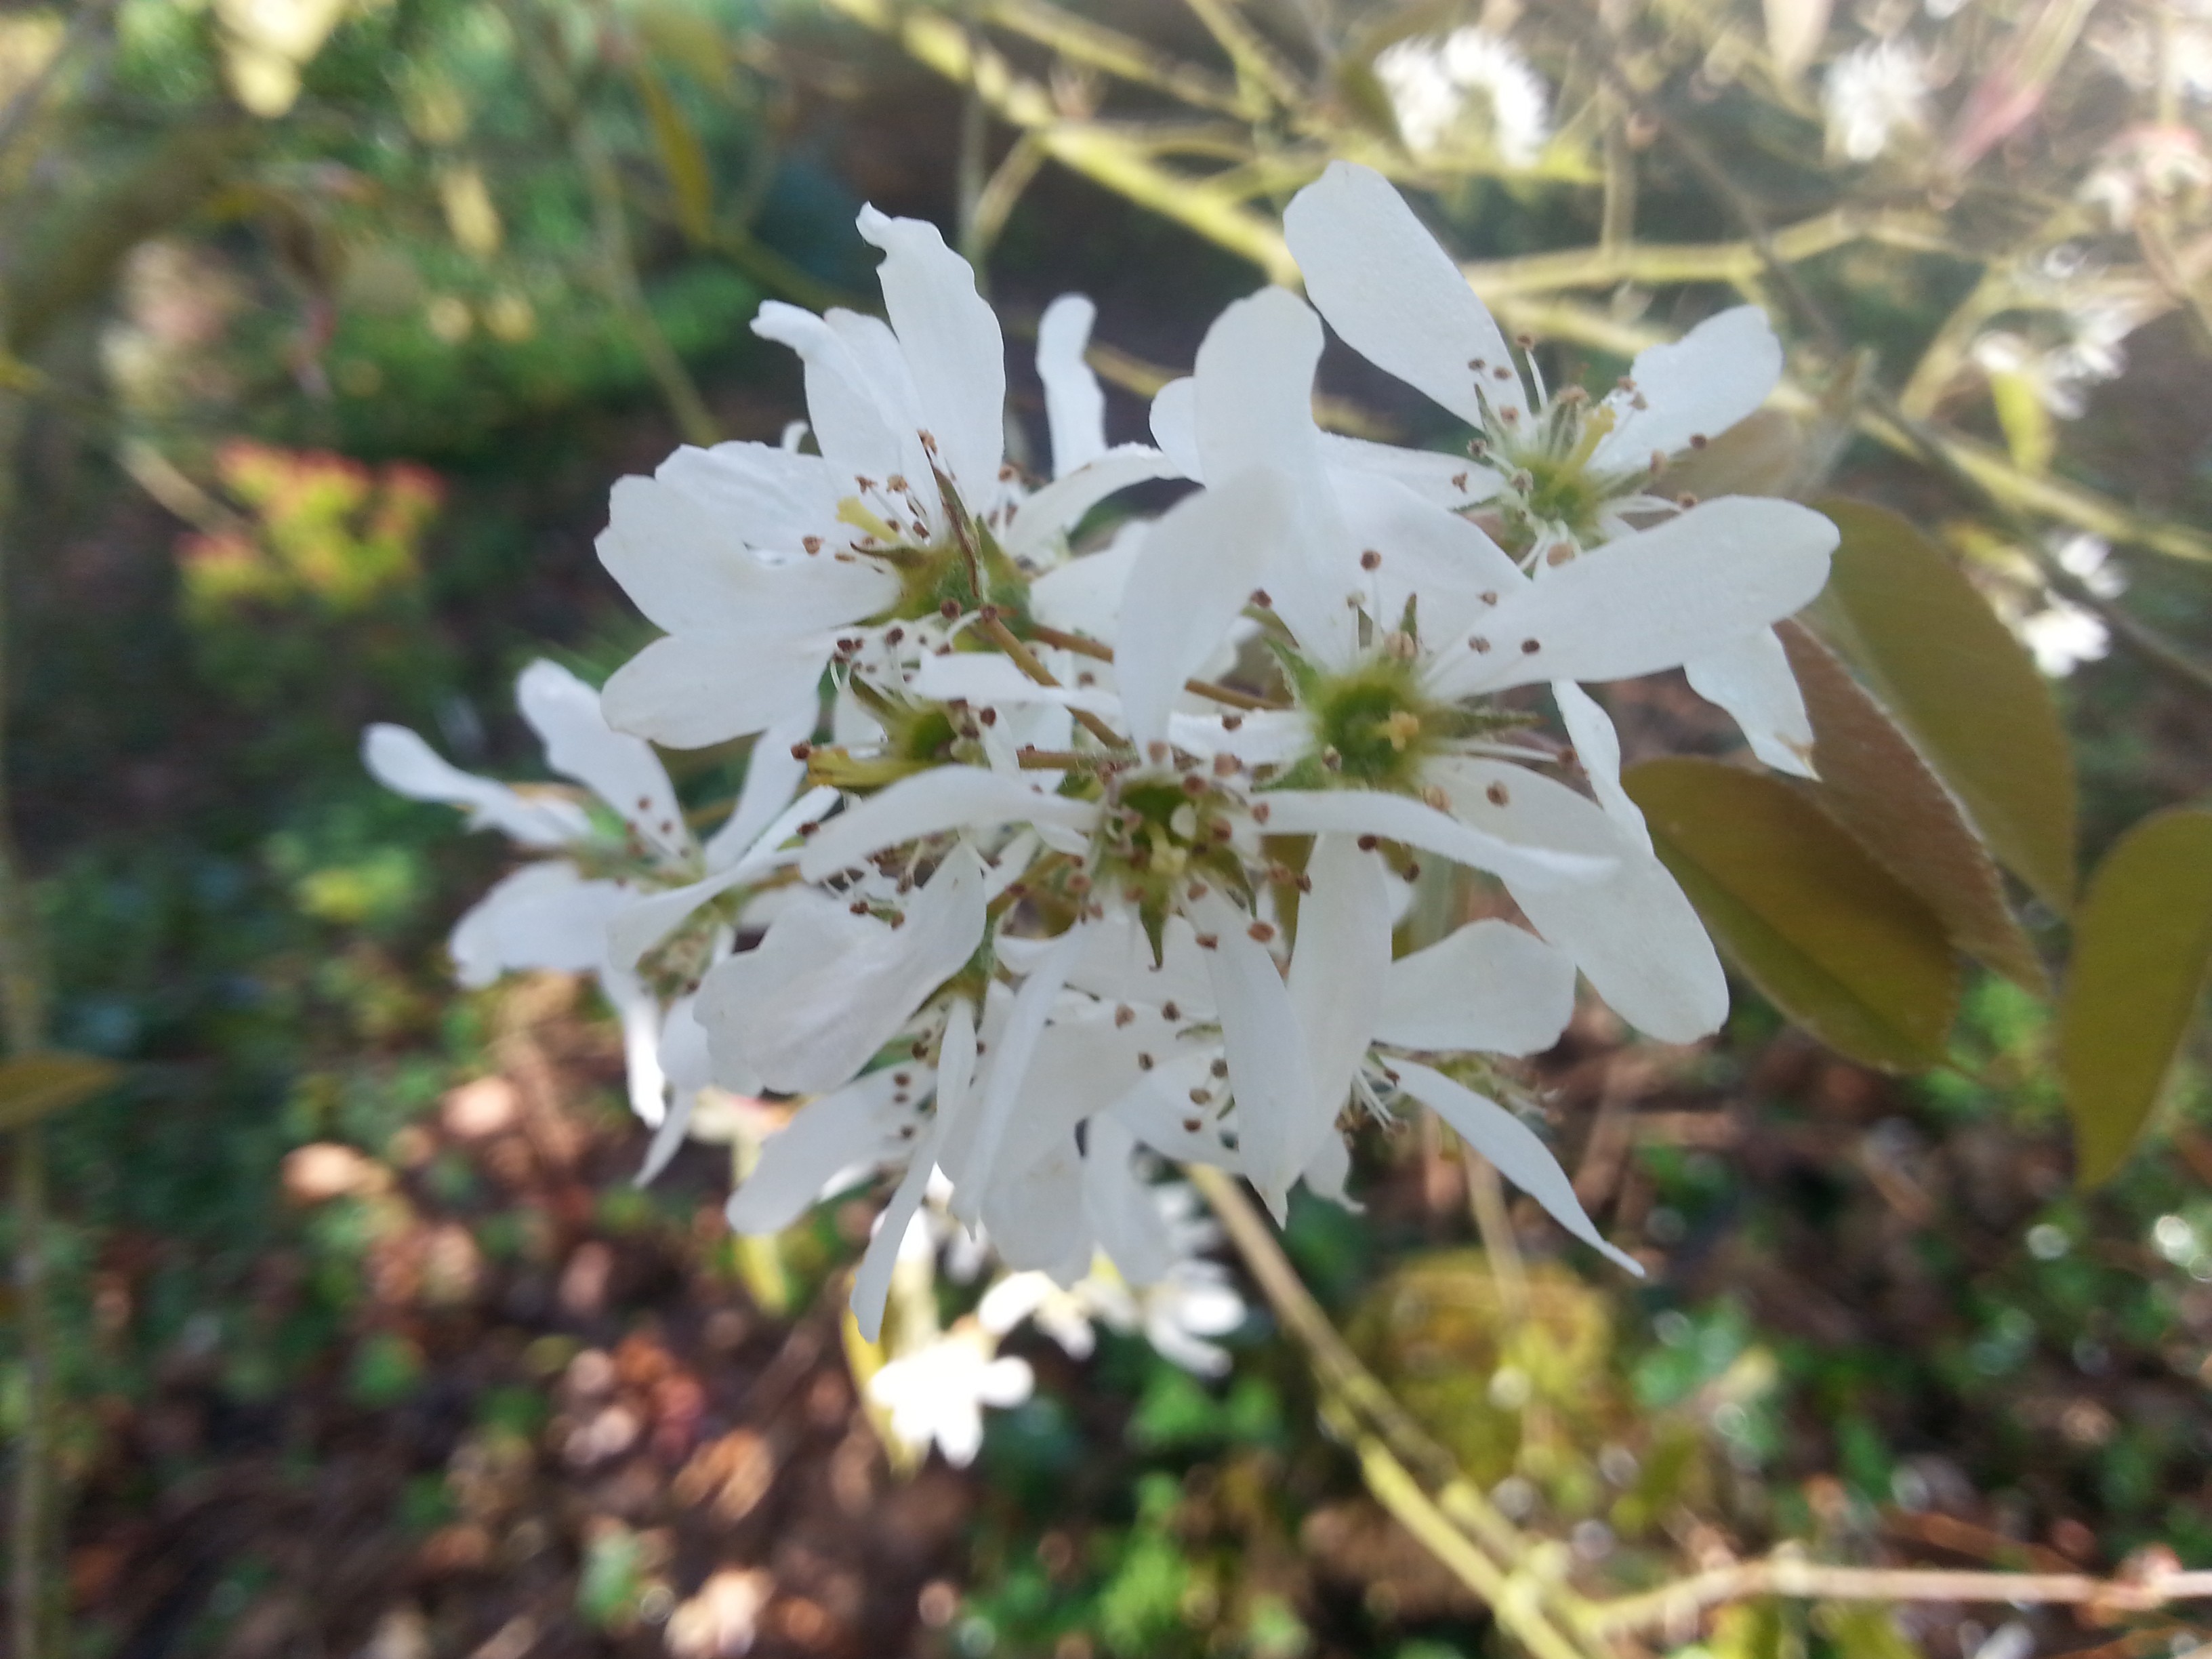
(327, 325)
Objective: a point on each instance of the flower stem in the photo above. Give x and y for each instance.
(1083, 646)
(1025, 659)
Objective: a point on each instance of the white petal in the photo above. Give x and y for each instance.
(995, 682)
(1254, 386)
(622, 770)
(692, 690)
(1123, 1212)
(1193, 578)
(637, 928)
(1415, 823)
(952, 345)
(767, 497)
(825, 989)
(773, 774)
(687, 567)
(1441, 480)
(1511, 1144)
(1060, 506)
(842, 403)
(1397, 299)
(1634, 933)
(1084, 595)
(546, 915)
(1116, 965)
(667, 1140)
(1751, 678)
(1174, 422)
(872, 1281)
(1265, 1051)
(1487, 988)
(639, 1012)
(1010, 1058)
(1263, 737)
(1652, 600)
(858, 1125)
(1074, 406)
(1444, 562)
(1698, 386)
(1338, 978)
(930, 803)
(1597, 747)
(400, 760)
(1327, 1172)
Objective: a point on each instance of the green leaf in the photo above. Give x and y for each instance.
(683, 157)
(1958, 681)
(1826, 934)
(1874, 783)
(2142, 943)
(39, 1085)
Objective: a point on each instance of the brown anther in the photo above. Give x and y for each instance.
(1201, 1096)
(1413, 871)
(988, 716)
(1530, 647)
(807, 829)
(1510, 414)
(1526, 341)
(1435, 797)
(1332, 759)
(1371, 560)
(1231, 722)
(1459, 480)
(1496, 795)
(1220, 1068)
(1698, 441)
(928, 441)
(1304, 882)
(1157, 752)
(1260, 597)
(1190, 1126)
(896, 483)
(1226, 766)
(1261, 812)
(1560, 553)
(1686, 502)
(1079, 883)
(1261, 931)
(1220, 830)
(987, 614)
(1369, 843)
(1478, 644)
(949, 610)
(893, 635)
(1209, 941)
(1124, 1015)
(1169, 1012)
(1658, 462)
(1144, 1062)
(811, 543)
(859, 907)
(1193, 785)
(1488, 596)
(1195, 892)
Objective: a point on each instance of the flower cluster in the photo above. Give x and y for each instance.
(1105, 840)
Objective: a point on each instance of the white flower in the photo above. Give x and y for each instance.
(638, 855)
(765, 566)
(1570, 474)
(938, 1392)
(1873, 93)
(1431, 84)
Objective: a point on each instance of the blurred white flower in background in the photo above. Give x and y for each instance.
(937, 1392)
(1434, 85)
(1873, 95)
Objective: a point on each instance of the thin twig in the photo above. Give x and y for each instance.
(618, 270)
(22, 1025)
(1812, 1581)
